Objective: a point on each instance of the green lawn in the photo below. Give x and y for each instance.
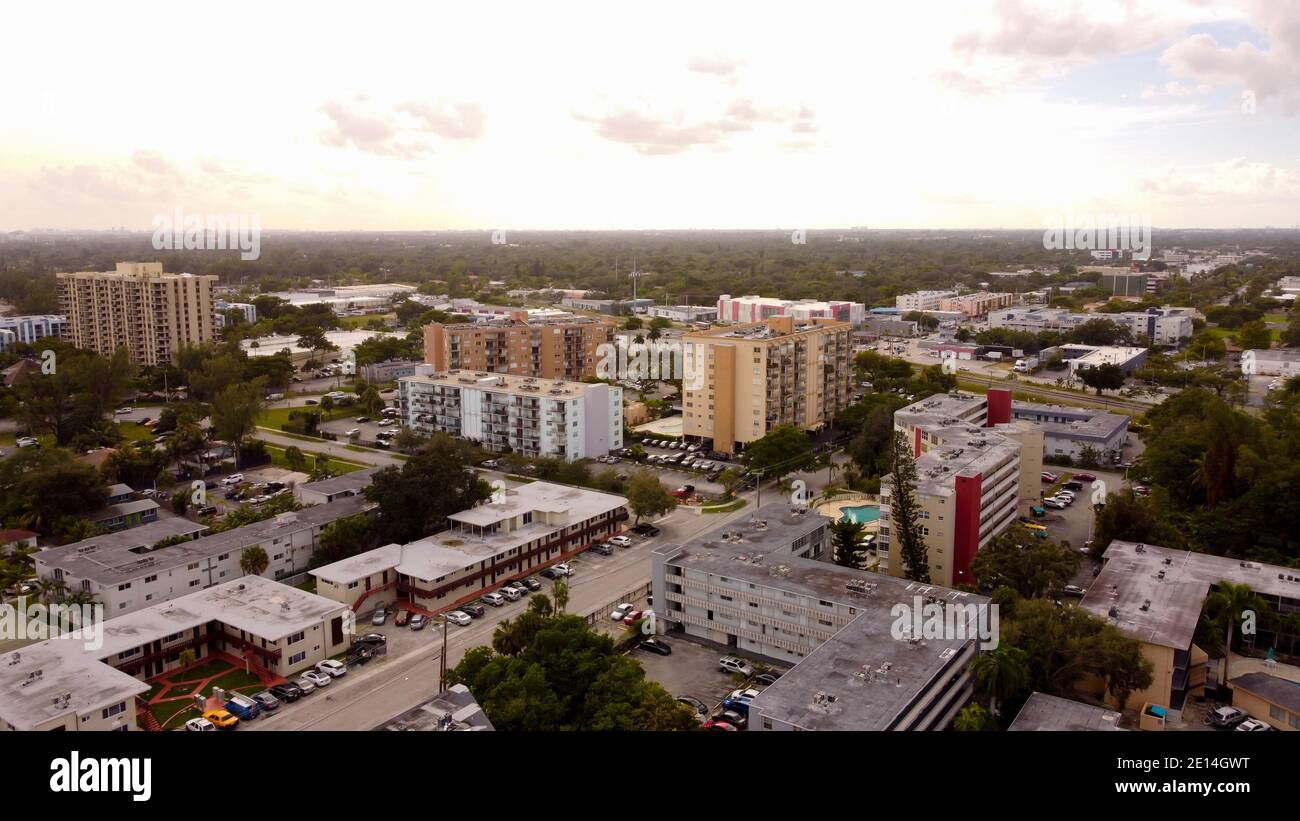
(135, 432)
(354, 322)
(727, 508)
(275, 417)
(338, 465)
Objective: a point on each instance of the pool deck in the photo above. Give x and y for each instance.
(835, 510)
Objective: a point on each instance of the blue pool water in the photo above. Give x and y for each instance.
(862, 514)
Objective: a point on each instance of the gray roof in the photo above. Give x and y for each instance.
(122, 509)
(1283, 692)
(455, 709)
(1053, 713)
(122, 556)
(1172, 585)
(348, 482)
(1079, 423)
(34, 680)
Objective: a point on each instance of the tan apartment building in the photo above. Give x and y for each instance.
(977, 304)
(558, 348)
(741, 381)
(137, 307)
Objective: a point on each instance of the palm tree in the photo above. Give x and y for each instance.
(560, 592)
(505, 639)
(79, 597)
(48, 589)
(1227, 605)
(540, 604)
(1001, 673)
(254, 561)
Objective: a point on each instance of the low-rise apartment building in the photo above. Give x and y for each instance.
(754, 308)
(63, 684)
(1271, 699)
(519, 531)
(1047, 713)
(535, 417)
(566, 348)
(685, 313)
(762, 585)
(1161, 326)
(976, 304)
(24, 330)
(127, 572)
(1155, 595)
(742, 381)
(1070, 431)
(976, 467)
(922, 300)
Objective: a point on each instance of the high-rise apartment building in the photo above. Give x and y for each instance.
(742, 381)
(550, 349)
(140, 308)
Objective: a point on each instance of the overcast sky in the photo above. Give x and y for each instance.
(665, 115)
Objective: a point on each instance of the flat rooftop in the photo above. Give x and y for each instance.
(1275, 689)
(1060, 420)
(35, 680)
(581, 503)
(352, 482)
(122, 509)
(764, 330)
(454, 710)
(1172, 585)
(505, 383)
(119, 557)
(1056, 714)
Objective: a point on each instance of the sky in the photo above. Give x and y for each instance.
(426, 116)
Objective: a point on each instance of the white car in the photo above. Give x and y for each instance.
(233, 479)
(621, 611)
(1252, 725)
(305, 684)
(494, 599)
(200, 725)
(457, 617)
(332, 668)
(317, 678)
(511, 593)
(121, 411)
(621, 541)
(26, 442)
(353, 432)
(564, 569)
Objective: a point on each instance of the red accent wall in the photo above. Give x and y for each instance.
(966, 528)
(916, 448)
(999, 400)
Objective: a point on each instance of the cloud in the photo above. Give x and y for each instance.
(717, 64)
(461, 121)
(1236, 178)
(1272, 73)
(403, 131)
(652, 134)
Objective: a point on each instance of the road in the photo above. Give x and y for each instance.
(366, 456)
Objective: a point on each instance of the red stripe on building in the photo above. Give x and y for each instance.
(966, 528)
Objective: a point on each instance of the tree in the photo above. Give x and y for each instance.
(188, 442)
(416, 499)
(560, 592)
(39, 487)
(785, 449)
(294, 458)
(234, 414)
(345, 537)
(731, 479)
(872, 448)
(540, 604)
(1227, 606)
(1254, 335)
(1033, 567)
(1102, 377)
(972, 718)
(1001, 673)
(370, 400)
(844, 543)
(905, 513)
(633, 323)
(253, 561)
(646, 496)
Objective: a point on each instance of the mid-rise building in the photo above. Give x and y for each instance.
(763, 585)
(534, 417)
(685, 313)
(742, 381)
(1161, 326)
(976, 304)
(976, 467)
(519, 531)
(127, 571)
(1278, 362)
(547, 349)
(140, 308)
(756, 308)
(247, 310)
(64, 684)
(922, 300)
(24, 330)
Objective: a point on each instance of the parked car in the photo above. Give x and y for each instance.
(267, 700)
(646, 529)
(1252, 725)
(1084, 477)
(519, 587)
(511, 593)
(200, 725)
(656, 646)
(1227, 716)
(734, 718)
(304, 684)
(766, 679)
(380, 616)
(233, 479)
(719, 724)
(1054, 504)
(370, 639)
(287, 692)
(531, 583)
(1074, 590)
(494, 599)
(244, 708)
(550, 573)
(1049, 478)
(632, 617)
(401, 618)
(317, 678)
(419, 621)
(332, 668)
(457, 617)
(731, 664)
(473, 610)
(621, 611)
(207, 510)
(621, 541)
(221, 719)
(564, 569)
(363, 419)
(701, 709)
(603, 549)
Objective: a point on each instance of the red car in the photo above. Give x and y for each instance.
(1085, 477)
(1049, 477)
(633, 617)
(718, 724)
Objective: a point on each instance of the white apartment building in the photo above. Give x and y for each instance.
(24, 330)
(1274, 362)
(922, 300)
(529, 415)
(126, 572)
(754, 308)
(247, 309)
(518, 532)
(1162, 326)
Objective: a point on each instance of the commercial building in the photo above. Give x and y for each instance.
(547, 349)
(24, 330)
(61, 684)
(1125, 283)
(1043, 712)
(685, 313)
(757, 585)
(1273, 362)
(246, 309)
(756, 308)
(455, 710)
(519, 531)
(534, 417)
(1271, 699)
(1155, 595)
(1161, 326)
(922, 300)
(137, 307)
(1070, 431)
(1127, 359)
(742, 381)
(890, 326)
(126, 571)
(976, 467)
(976, 304)
(389, 370)
(350, 299)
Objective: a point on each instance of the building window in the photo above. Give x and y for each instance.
(116, 709)
(297, 637)
(297, 657)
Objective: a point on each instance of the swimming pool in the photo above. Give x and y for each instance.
(862, 514)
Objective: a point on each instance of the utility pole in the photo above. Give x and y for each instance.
(442, 658)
